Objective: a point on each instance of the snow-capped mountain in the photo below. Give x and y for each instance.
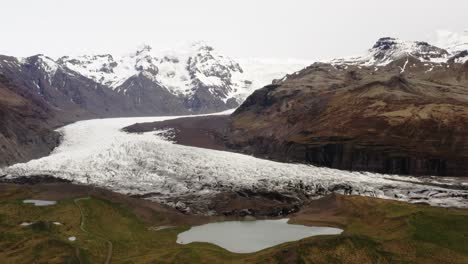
(194, 78)
(178, 70)
(365, 112)
(387, 50)
(182, 72)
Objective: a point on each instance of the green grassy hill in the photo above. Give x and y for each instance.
(376, 231)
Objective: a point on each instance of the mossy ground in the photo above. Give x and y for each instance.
(376, 231)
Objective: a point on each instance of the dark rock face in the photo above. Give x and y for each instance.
(355, 157)
(144, 97)
(385, 160)
(385, 43)
(203, 102)
(359, 118)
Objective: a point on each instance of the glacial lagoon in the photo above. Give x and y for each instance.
(251, 236)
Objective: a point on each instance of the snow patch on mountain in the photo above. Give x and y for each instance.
(47, 64)
(387, 50)
(453, 42)
(462, 59)
(98, 152)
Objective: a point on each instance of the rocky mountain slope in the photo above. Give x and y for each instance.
(401, 108)
(25, 125)
(195, 79)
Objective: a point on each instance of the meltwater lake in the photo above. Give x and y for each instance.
(40, 202)
(251, 236)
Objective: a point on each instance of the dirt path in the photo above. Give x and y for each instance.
(109, 243)
(77, 254)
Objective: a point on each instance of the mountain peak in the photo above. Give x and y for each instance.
(143, 49)
(201, 45)
(385, 43)
(46, 63)
(389, 49)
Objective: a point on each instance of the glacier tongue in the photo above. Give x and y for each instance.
(98, 152)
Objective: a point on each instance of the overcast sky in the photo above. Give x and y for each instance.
(308, 29)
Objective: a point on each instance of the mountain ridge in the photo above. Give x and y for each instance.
(402, 108)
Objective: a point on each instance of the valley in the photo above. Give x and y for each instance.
(124, 158)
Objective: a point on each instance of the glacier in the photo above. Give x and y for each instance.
(99, 153)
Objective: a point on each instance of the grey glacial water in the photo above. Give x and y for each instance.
(40, 202)
(251, 236)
